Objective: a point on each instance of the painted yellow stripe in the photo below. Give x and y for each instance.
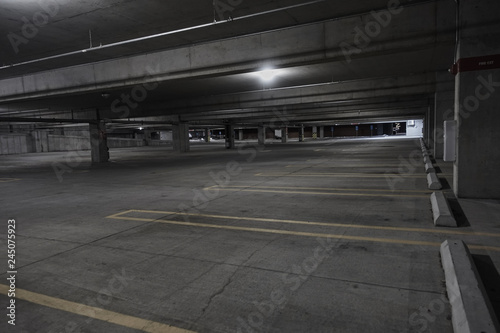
(326, 193)
(321, 188)
(93, 312)
(446, 231)
(351, 175)
(8, 180)
(333, 166)
(306, 234)
(286, 232)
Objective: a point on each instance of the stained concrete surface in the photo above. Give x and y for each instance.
(320, 236)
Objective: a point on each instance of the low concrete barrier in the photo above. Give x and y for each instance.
(429, 167)
(441, 211)
(471, 310)
(433, 181)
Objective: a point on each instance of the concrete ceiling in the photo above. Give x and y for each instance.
(392, 77)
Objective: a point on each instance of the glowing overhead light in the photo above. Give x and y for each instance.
(267, 75)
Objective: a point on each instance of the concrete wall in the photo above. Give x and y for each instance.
(124, 143)
(166, 135)
(415, 130)
(68, 143)
(41, 141)
(156, 143)
(15, 144)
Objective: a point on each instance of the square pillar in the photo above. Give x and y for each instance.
(240, 134)
(98, 142)
(301, 133)
(207, 134)
(147, 137)
(477, 101)
(322, 132)
(284, 134)
(180, 135)
(315, 132)
(261, 135)
(229, 136)
(444, 99)
(429, 128)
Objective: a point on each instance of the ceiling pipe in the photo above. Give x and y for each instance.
(162, 34)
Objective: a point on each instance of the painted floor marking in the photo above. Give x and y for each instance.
(352, 175)
(119, 216)
(301, 233)
(322, 188)
(93, 312)
(244, 189)
(8, 180)
(333, 166)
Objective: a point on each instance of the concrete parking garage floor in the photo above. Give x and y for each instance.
(320, 236)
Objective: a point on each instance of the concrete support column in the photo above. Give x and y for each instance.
(40, 141)
(229, 136)
(322, 132)
(98, 142)
(443, 109)
(207, 134)
(261, 135)
(429, 128)
(315, 132)
(301, 133)
(180, 135)
(240, 134)
(147, 137)
(477, 100)
(284, 134)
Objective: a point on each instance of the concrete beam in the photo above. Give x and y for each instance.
(470, 307)
(305, 44)
(385, 90)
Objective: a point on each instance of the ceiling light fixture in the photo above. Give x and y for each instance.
(267, 75)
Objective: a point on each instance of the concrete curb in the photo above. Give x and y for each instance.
(470, 307)
(441, 211)
(433, 181)
(429, 167)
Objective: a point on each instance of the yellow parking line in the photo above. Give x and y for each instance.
(8, 180)
(93, 312)
(323, 188)
(353, 175)
(121, 213)
(332, 166)
(308, 234)
(258, 219)
(326, 193)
